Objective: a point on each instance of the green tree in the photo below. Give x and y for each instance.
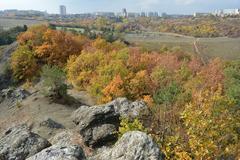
(54, 82)
(167, 94)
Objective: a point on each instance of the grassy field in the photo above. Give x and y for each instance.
(155, 41)
(226, 48)
(70, 28)
(9, 23)
(77, 29)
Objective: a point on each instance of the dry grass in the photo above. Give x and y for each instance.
(225, 48)
(7, 23)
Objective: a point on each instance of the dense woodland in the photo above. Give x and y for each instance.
(194, 107)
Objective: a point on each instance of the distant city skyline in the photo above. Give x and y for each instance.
(84, 6)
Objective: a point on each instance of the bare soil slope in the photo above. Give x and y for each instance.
(35, 109)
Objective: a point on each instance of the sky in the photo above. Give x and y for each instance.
(83, 6)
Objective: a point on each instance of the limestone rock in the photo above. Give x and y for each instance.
(99, 124)
(133, 145)
(19, 142)
(11, 96)
(60, 152)
(51, 124)
(70, 137)
(96, 124)
(129, 109)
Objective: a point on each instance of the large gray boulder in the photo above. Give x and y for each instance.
(68, 138)
(60, 152)
(19, 142)
(99, 124)
(133, 145)
(129, 109)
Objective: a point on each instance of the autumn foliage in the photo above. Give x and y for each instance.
(44, 46)
(58, 46)
(23, 64)
(194, 107)
(211, 125)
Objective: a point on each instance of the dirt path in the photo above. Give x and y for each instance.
(197, 51)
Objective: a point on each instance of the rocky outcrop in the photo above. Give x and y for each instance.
(129, 109)
(67, 137)
(11, 96)
(70, 137)
(99, 124)
(51, 124)
(19, 142)
(133, 145)
(60, 152)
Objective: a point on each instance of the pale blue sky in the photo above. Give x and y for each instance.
(80, 6)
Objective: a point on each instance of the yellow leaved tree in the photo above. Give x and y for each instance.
(212, 123)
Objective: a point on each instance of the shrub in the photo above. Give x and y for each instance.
(81, 69)
(232, 81)
(126, 125)
(167, 94)
(114, 89)
(23, 64)
(9, 36)
(53, 82)
(212, 124)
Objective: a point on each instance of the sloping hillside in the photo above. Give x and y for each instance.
(5, 54)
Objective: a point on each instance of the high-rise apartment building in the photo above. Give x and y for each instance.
(63, 10)
(124, 12)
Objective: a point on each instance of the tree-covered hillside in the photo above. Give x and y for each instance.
(194, 106)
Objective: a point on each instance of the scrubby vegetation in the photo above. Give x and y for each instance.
(54, 84)
(128, 125)
(9, 36)
(194, 107)
(23, 63)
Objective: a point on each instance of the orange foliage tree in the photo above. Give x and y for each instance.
(114, 89)
(58, 46)
(33, 37)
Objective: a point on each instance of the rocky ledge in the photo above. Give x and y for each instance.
(99, 124)
(93, 138)
(11, 96)
(58, 152)
(19, 142)
(133, 145)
